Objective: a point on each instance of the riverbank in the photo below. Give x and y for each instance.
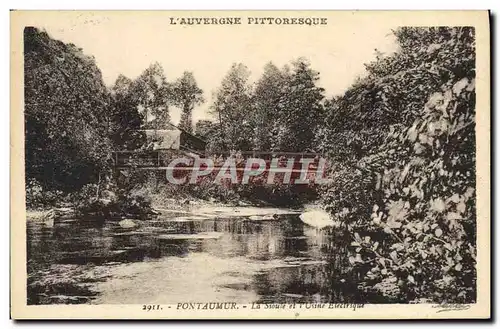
(41, 215)
(191, 207)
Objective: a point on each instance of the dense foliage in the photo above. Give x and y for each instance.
(125, 117)
(404, 141)
(73, 121)
(187, 95)
(66, 114)
(281, 112)
(151, 93)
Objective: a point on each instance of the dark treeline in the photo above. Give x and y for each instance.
(281, 111)
(401, 139)
(73, 122)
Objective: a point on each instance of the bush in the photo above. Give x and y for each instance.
(408, 184)
(37, 197)
(428, 216)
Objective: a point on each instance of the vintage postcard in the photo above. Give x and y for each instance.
(250, 165)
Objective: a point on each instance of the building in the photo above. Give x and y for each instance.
(174, 138)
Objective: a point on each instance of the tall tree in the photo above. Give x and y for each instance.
(66, 113)
(233, 108)
(269, 92)
(152, 94)
(300, 109)
(186, 94)
(126, 119)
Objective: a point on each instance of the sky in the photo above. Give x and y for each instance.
(128, 42)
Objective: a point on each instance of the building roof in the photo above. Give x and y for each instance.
(164, 139)
(170, 138)
(186, 132)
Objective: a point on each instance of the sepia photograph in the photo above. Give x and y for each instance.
(242, 164)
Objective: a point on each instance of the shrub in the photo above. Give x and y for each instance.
(407, 182)
(37, 197)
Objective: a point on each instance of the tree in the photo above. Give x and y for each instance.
(152, 94)
(186, 95)
(300, 110)
(233, 108)
(66, 114)
(409, 126)
(204, 129)
(125, 118)
(269, 92)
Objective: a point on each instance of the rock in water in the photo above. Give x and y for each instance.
(127, 223)
(317, 218)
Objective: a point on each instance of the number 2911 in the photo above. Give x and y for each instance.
(151, 308)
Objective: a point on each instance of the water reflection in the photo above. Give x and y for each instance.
(170, 260)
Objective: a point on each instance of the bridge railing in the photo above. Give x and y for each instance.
(161, 158)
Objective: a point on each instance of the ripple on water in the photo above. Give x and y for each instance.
(179, 259)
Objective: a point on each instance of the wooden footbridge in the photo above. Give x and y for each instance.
(176, 143)
(160, 159)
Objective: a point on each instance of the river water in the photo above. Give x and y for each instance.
(177, 258)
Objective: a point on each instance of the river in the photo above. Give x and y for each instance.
(180, 258)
